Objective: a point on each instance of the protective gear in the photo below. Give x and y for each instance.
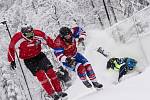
(71, 61)
(110, 63)
(64, 31)
(13, 65)
(97, 85)
(55, 96)
(29, 35)
(131, 63)
(26, 28)
(87, 84)
(62, 94)
(27, 31)
(84, 71)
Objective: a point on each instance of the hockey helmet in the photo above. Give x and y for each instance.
(64, 31)
(27, 31)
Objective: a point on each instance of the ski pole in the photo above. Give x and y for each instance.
(101, 51)
(5, 23)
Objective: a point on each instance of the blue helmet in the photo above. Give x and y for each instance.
(131, 63)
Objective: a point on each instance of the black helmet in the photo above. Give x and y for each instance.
(26, 28)
(110, 63)
(27, 31)
(64, 31)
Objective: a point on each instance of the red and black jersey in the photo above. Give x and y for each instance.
(28, 48)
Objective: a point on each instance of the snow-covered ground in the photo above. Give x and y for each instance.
(135, 88)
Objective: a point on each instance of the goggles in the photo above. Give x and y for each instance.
(29, 35)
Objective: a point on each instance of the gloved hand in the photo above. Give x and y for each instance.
(13, 65)
(80, 40)
(71, 61)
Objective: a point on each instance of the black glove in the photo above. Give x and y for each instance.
(13, 65)
(71, 61)
(80, 40)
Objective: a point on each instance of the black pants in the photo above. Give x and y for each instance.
(122, 71)
(40, 62)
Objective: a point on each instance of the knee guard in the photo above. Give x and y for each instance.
(81, 72)
(90, 72)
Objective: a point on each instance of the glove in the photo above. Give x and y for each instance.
(71, 61)
(13, 65)
(80, 40)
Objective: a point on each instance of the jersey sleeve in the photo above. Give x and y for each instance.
(78, 32)
(59, 50)
(48, 40)
(11, 49)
